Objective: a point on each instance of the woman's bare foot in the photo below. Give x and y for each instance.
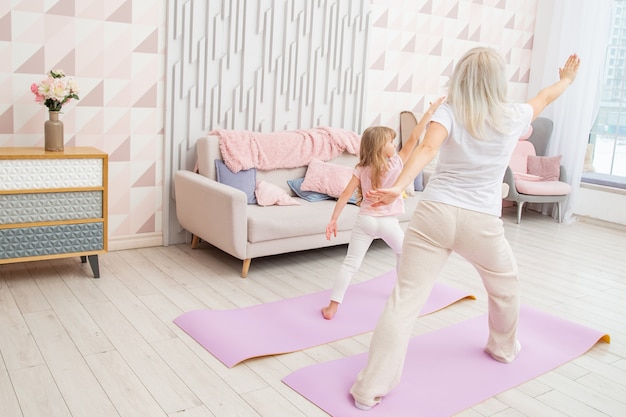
(329, 312)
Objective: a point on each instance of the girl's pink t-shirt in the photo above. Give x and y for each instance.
(363, 174)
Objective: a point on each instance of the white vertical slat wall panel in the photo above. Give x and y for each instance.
(261, 66)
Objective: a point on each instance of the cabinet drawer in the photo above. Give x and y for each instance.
(49, 207)
(21, 242)
(33, 174)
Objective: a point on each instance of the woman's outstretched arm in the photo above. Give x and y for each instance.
(567, 74)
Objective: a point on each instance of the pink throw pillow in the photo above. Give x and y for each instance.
(547, 167)
(326, 178)
(268, 194)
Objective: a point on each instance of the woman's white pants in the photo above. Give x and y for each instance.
(435, 231)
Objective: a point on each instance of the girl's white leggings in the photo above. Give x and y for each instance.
(435, 231)
(366, 229)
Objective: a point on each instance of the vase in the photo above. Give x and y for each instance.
(53, 132)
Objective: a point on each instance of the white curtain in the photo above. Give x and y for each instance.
(564, 27)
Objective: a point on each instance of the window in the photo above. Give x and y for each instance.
(608, 135)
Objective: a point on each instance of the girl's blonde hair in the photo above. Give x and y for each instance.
(372, 151)
(477, 92)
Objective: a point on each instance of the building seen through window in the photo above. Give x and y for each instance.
(608, 135)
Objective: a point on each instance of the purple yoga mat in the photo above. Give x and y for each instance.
(233, 336)
(447, 371)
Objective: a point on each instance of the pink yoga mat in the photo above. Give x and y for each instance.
(233, 336)
(447, 371)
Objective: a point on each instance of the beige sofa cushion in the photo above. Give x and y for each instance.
(303, 220)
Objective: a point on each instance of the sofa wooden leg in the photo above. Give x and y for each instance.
(195, 240)
(245, 267)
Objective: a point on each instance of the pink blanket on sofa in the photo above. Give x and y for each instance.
(242, 149)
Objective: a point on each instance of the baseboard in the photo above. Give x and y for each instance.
(143, 240)
(599, 222)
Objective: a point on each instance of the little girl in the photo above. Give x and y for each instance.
(378, 167)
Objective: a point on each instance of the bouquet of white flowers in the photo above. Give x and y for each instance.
(55, 90)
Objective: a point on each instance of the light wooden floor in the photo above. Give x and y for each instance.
(72, 345)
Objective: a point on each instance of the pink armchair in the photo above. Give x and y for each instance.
(533, 177)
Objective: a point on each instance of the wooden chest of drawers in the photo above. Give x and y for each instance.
(53, 204)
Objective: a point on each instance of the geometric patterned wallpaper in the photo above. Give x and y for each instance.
(415, 44)
(116, 51)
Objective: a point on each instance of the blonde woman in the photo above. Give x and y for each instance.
(475, 133)
(378, 167)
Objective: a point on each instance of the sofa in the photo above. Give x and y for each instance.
(223, 215)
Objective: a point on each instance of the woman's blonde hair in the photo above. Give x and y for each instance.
(477, 92)
(371, 152)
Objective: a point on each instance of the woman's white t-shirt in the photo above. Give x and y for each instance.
(469, 171)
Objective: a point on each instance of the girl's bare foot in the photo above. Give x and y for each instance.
(329, 312)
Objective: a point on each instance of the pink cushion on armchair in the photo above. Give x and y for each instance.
(519, 158)
(547, 167)
(542, 187)
(542, 177)
(521, 176)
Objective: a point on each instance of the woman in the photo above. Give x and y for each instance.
(475, 133)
